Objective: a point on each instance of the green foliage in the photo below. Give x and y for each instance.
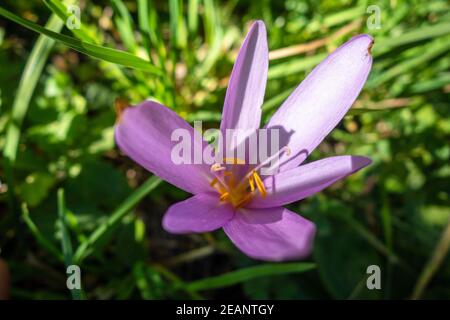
(56, 133)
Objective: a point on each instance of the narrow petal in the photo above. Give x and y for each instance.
(301, 182)
(245, 93)
(274, 234)
(322, 99)
(200, 213)
(144, 133)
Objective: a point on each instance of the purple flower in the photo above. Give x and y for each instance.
(250, 211)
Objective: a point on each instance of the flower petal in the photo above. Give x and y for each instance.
(144, 134)
(245, 93)
(322, 100)
(274, 234)
(301, 182)
(200, 213)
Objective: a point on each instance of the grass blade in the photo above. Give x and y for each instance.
(89, 245)
(66, 243)
(372, 240)
(276, 101)
(315, 44)
(362, 106)
(294, 66)
(103, 53)
(177, 26)
(435, 49)
(44, 242)
(344, 16)
(438, 82)
(211, 22)
(423, 33)
(124, 23)
(58, 8)
(439, 254)
(193, 17)
(30, 76)
(264, 270)
(144, 24)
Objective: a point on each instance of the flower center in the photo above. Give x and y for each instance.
(240, 193)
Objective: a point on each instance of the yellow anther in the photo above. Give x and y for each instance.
(213, 182)
(259, 184)
(224, 196)
(251, 183)
(288, 151)
(239, 193)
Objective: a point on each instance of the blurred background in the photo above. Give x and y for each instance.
(69, 196)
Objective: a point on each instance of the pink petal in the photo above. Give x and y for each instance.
(245, 93)
(200, 213)
(274, 234)
(301, 182)
(322, 99)
(144, 134)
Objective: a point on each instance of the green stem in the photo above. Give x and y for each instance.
(38, 235)
(28, 81)
(88, 246)
(432, 266)
(66, 243)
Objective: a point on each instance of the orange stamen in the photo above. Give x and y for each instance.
(259, 184)
(251, 183)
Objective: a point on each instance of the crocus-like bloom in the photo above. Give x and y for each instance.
(251, 212)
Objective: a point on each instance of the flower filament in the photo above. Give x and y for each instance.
(240, 194)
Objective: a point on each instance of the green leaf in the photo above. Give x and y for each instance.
(264, 270)
(420, 34)
(211, 21)
(437, 258)
(430, 52)
(30, 76)
(155, 37)
(124, 23)
(193, 17)
(28, 81)
(36, 187)
(358, 111)
(148, 281)
(177, 25)
(103, 53)
(437, 82)
(66, 243)
(113, 221)
(40, 238)
(144, 24)
(294, 66)
(205, 115)
(342, 258)
(276, 100)
(344, 16)
(58, 7)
